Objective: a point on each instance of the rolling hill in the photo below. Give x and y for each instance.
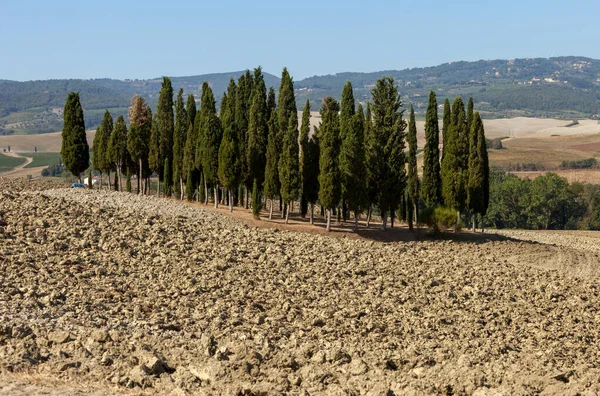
(562, 87)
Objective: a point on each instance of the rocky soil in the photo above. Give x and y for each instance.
(118, 293)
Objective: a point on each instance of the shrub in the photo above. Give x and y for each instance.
(439, 219)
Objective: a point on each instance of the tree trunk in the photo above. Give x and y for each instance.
(355, 221)
(370, 211)
(271, 210)
(216, 190)
(140, 184)
(482, 224)
(230, 201)
(206, 193)
(416, 218)
(383, 221)
(312, 213)
(181, 189)
(339, 216)
(457, 220)
(474, 221)
(328, 220)
(283, 209)
(158, 187)
(287, 213)
(392, 217)
(344, 210)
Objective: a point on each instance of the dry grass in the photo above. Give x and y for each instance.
(47, 142)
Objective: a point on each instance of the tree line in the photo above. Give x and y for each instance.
(251, 152)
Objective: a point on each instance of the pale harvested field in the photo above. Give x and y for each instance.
(47, 142)
(590, 176)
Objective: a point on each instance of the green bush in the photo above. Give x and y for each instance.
(439, 219)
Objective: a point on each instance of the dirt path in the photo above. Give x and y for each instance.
(17, 170)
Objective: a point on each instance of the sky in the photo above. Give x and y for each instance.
(124, 39)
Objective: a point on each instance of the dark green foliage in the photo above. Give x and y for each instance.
(388, 160)
(257, 131)
(167, 170)
(190, 109)
(346, 114)
(100, 146)
(179, 139)
(210, 137)
(439, 219)
(431, 188)
(289, 167)
(138, 138)
(128, 181)
(189, 186)
(271, 104)
(256, 200)
(454, 166)
(413, 176)
(370, 157)
(286, 101)
(117, 146)
(476, 171)
(75, 150)
(304, 137)
(470, 114)
(164, 118)
(580, 164)
(329, 174)
(271, 185)
(353, 167)
(242, 116)
(154, 159)
(229, 163)
(446, 124)
(190, 163)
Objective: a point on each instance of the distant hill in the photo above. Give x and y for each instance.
(563, 87)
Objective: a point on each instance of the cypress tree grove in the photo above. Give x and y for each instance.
(431, 187)
(354, 171)
(389, 160)
(453, 169)
(285, 107)
(329, 177)
(304, 137)
(229, 168)
(289, 167)
(413, 177)
(346, 124)
(310, 169)
(117, 147)
(476, 171)
(271, 185)
(164, 117)
(100, 146)
(257, 132)
(190, 109)
(271, 104)
(138, 138)
(188, 168)
(446, 124)
(179, 138)
(242, 115)
(75, 152)
(210, 141)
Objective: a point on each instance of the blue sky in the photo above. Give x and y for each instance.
(119, 39)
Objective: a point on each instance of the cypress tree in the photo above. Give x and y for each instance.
(117, 147)
(191, 164)
(354, 172)
(476, 172)
(271, 184)
(128, 181)
(164, 117)
(242, 114)
(289, 167)
(179, 139)
(210, 141)
(154, 159)
(256, 200)
(310, 170)
(413, 177)
(286, 105)
(370, 157)
(446, 124)
(329, 177)
(138, 138)
(483, 154)
(431, 188)
(304, 137)
(257, 131)
(229, 168)
(75, 152)
(271, 104)
(453, 167)
(100, 146)
(388, 159)
(346, 124)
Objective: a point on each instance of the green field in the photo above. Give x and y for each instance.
(42, 159)
(7, 163)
